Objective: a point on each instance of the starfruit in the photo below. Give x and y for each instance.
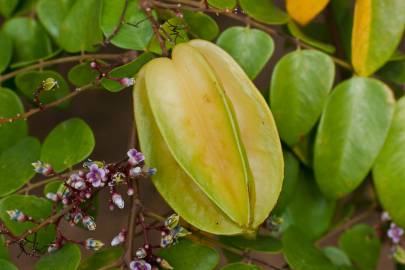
(209, 132)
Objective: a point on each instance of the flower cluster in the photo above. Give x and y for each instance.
(79, 187)
(171, 231)
(394, 233)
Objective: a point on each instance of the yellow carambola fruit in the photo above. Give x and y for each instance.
(211, 136)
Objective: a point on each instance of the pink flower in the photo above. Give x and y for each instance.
(395, 233)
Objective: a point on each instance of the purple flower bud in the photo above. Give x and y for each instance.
(395, 233)
(93, 244)
(163, 263)
(385, 217)
(140, 265)
(152, 171)
(65, 201)
(89, 223)
(52, 196)
(77, 217)
(17, 215)
(118, 201)
(93, 64)
(111, 206)
(141, 253)
(127, 82)
(42, 168)
(130, 191)
(79, 184)
(135, 171)
(53, 247)
(166, 240)
(118, 239)
(135, 157)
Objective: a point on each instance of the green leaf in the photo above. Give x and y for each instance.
(6, 50)
(51, 14)
(136, 31)
(393, 71)
(37, 208)
(251, 48)
(6, 265)
(187, 255)
(291, 173)
(15, 164)
(127, 70)
(67, 144)
(309, 209)
(362, 245)
(262, 243)
(222, 4)
(80, 29)
(67, 258)
(352, 130)
(82, 74)
(300, 86)
(4, 254)
(30, 81)
(30, 40)
(201, 25)
(241, 266)
(299, 34)
(101, 258)
(7, 7)
(10, 106)
(377, 31)
(337, 256)
(264, 11)
(301, 254)
(389, 169)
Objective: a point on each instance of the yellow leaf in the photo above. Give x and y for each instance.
(377, 30)
(303, 11)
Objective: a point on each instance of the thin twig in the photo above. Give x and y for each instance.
(45, 223)
(145, 4)
(33, 111)
(360, 217)
(118, 26)
(61, 60)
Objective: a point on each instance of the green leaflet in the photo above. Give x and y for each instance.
(362, 244)
(187, 255)
(15, 164)
(10, 106)
(352, 130)
(67, 144)
(80, 29)
(389, 168)
(300, 85)
(66, 258)
(33, 44)
(251, 48)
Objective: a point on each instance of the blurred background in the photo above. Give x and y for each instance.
(111, 118)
